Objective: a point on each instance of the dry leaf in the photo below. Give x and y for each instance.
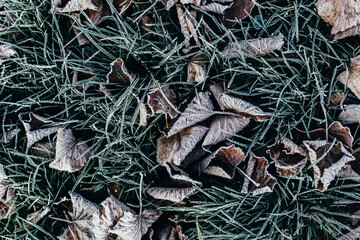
(159, 100)
(355, 233)
(257, 171)
(81, 77)
(289, 158)
(7, 194)
(9, 135)
(350, 114)
(187, 21)
(167, 229)
(46, 149)
(253, 47)
(217, 91)
(132, 226)
(170, 194)
(76, 5)
(71, 154)
(351, 77)
(6, 51)
(223, 162)
(179, 176)
(146, 22)
(119, 73)
(200, 109)
(196, 71)
(215, 8)
(35, 128)
(82, 212)
(343, 16)
(239, 10)
(337, 97)
(223, 127)
(35, 217)
(143, 115)
(327, 160)
(352, 169)
(174, 149)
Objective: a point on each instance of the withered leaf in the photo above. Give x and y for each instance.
(71, 155)
(222, 162)
(76, 5)
(82, 212)
(223, 127)
(35, 217)
(80, 77)
(132, 226)
(239, 10)
(46, 149)
(9, 135)
(257, 171)
(252, 47)
(217, 91)
(119, 73)
(196, 71)
(7, 194)
(193, 2)
(337, 97)
(187, 21)
(166, 230)
(215, 8)
(179, 176)
(200, 109)
(351, 77)
(327, 160)
(348, 172)
(36, 128)
(350, 114)
(289, 158)
(159, 100)
(170, 194)
(6, 51)
(174, 149)
(169, 3)
(143, 115)
(343, 16)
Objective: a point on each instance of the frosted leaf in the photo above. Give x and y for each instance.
(9, 135)
(35, 217)
(351, 77)
(170, 194)
(215, 8)
(159, 100)
(7, 194)
(239, 10)
(167, 229)
(196, 71)
(77, 5)
(187, 23)
(350, 114)
(6, 51)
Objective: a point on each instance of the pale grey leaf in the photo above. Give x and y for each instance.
(77, 5)
(6, 51)
(215, 8)
(35, 217)
(350, 114)
(196, 71)
(187, 21)
(170, 194)
(351, 77)
(9, 135)
(162, 100)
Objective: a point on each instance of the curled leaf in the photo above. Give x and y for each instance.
(253, 47)
(289, 158)
(337, 97)
(162, 100)
(238, 11)
(223, 162)
(71, 155)
(170, 194)
(119, 73)
(179, 176)
(351, 77)
(197, 111)
(196, 71)
(79, 78)
(9, 135)
(215, 8)
(46, 149)
(350, 114)
(166, 229)
(7, 194)
(261, 180)
(187, 21)
(174, 149)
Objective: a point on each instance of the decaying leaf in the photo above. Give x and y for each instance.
(337, 97)
(76, 5)
(238, 11)
(143, 115)
(253, 47)
(170, 3)
(146, 22)
(46, 149)
(350, 114)
(7, 194)
(327, 160)
(200, 109)
(261, 180)
(179, 176)
(81, 77)
(71, 154)
(222, 162)
(6, 51)
(170, 194)
(351, 77)
(289, 158)
(215, 8)
(217, 91)
(9, 135)
(196, 71)
(166, 229)
(36, 128)
(162, 100)
(343, 16)
(355, 232)
(35, 217)
(119, 73)
(187, 21)
(352, 169)
(175, 148)
(223, 127)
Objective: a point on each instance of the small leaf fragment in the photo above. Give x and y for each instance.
(196, 71)
(215, 8)
(9, 135)
(159, 100)
(7, 194)
(187, 21)
(351, 77)
(170, 194)
(35, 217)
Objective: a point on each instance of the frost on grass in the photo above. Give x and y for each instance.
(7, 193)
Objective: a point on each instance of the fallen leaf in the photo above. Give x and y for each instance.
(174, 149)
(289, 158)
(196, 71)
(352, 169)
(169, 3)
(119, 73)
(187, 21)
(81, 77)
(223, 127)
(217, 91)
(200, 109)
(222, 162)
(253, 47)
(7, 194)
(257, 171)
(71, 154)
(179, 176)
(350, 114)
(215, 8)
(355, 232)
(143, 115)
(238, 11)
(46, 149)
(343, 16)
(170, 194)
(6, 51)
(35, 217)
(146, 24)
(36, 128)
(9, 135)
(162, 100)
(77, 5)
(351, 77)
(167, 229)
(337, 97)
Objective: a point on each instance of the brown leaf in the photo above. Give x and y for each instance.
(239, 10)
(196, 71)
(215, 8)
(351, 77)
(200, 109)
(187, 22)
(46, 149)
(327, 160)
(170, 194)
(289, 158)
(71, 155)
(348, 172)
(179, 176)
(343, 16)
(222, 162)
(257, 171)
(162, 100)
(337, 97)
(252, 47)
(35, 217)
(36, 128)
(169, 3)
(350, 114)
(82, 212)
(146, 22)
(174, 149)
(7, 194)
(223, 127)
(119, 73)
(166, 230)
(9, 135)
(81, 77)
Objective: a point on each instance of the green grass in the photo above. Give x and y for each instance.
(291, 85)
